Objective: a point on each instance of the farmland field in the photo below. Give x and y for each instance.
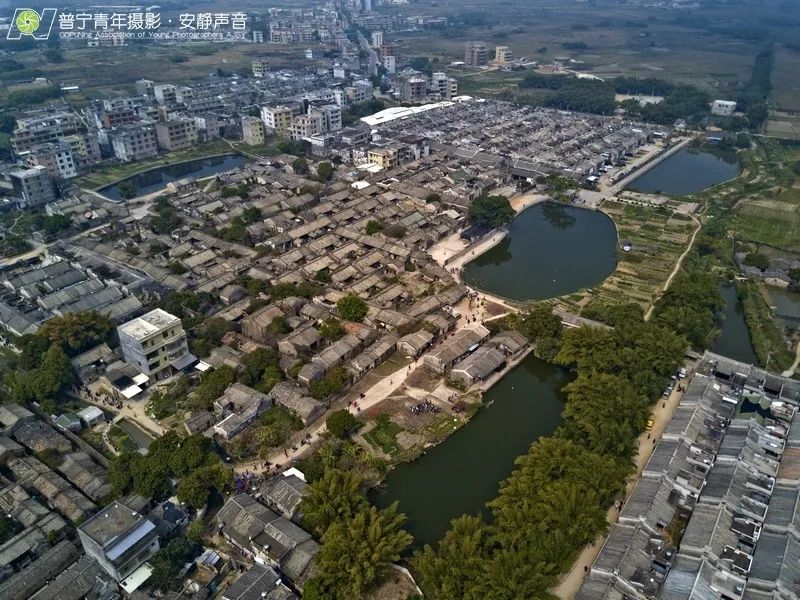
(773, 220)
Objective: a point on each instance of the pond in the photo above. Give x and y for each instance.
(156, 179)
(552, 249)
(787, 307)
(139, 436)
(734, 338)
(464, 472)
(688, 171)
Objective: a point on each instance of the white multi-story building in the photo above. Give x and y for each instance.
(155, 343)
(377, 39)
(331, 115)
(119, 539)
(56, 157)
(723, 108)
(390, 64)
(443, 86)
(305, 126)
(277, 119)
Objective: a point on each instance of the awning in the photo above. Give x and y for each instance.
(140, 379)
(131, 391)
(132, 582)
(202, 366)
(184, 361)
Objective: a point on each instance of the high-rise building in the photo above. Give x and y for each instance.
(33, 187)
(252, 131)
(155, 343)
(475, 54)
(176, 134)
(443, 86)
(260, 67)
(502, 54)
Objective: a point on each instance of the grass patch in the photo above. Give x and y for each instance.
(765, 333)
(384, 435)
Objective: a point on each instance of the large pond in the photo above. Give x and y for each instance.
(464, 472)
(734, 338)
(551, 250)
(156, 179)
(688, 171)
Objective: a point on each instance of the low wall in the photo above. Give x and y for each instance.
(477, 243)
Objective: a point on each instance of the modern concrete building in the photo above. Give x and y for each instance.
(475, 54)
(120, 539)
(377, 39)
(165, 94)
(260, 67)
(390, 64)
(56, 157)
(252, 131)
(32, 131)
(502, 54)
(723, 108)
(412, 88)
(176, 134)
(155, 343)
(134, 142)
(443, 86)
(331, 115)
(277, 119)
(306, 126)
(33, 187)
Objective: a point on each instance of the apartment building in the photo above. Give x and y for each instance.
(155, 343)
(134, 142)
(56, 157)
(475, 54)
(252, 131)
(390, 64)
(32, 131)
(176, 134)
(388, 158)
(260, 67)
(502, 54)
(165, 94)
(277, 119)
(305, 126)
(443, 86)
(119, 539)
(389, 49)
(377, 39)
(33, 187)
(413, 88)
(359, 92)
(85, 149)
(331, 115)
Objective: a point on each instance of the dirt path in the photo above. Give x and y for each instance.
(790, 371)
(662, 413)
(677, 268)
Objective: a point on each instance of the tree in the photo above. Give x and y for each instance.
(456, 567)
(300, 165)
(195, 488)
(333, 383)
(396, 231)
(332, 330)
(53, 224)
(279, 325)
(356, 552)
(168, 562)
(77, 332)
(757, 260)
(324, 171)
(540, 322)
(490, 211)
(352, 308)
(338, 495)
(251, 215)
(341, 423)
(373, 227)
(127, 190)
(213, 384)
